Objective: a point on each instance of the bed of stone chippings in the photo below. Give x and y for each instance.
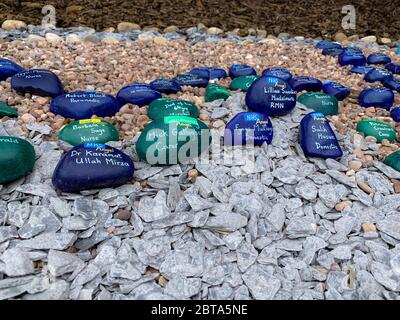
(282, 227)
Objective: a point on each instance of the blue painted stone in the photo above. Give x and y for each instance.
(278, 72)
(92, 166)
(248, 128)
(306, 84)
(393, 67)
(333, 52)
(209, 72)
(378, 75)
(40, 82)
(139, 94)
(190, 79)
(376, 97)
(395, 114)
(378, 58)
(8, 68)
(361, 69)
(317, 138)
(325, 44)
(352, 56)
(166, 86)
(271, 95)
(84, 104)
(237, 70)
(335, 89)
(392, 84)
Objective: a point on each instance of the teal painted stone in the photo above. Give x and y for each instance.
(243, 82)
(89, 130)
(324, 103)
(17, 158)
(377, 129)
(172, 140)
(215, 92)
(165, 107)
(6, 111)
(393, 160)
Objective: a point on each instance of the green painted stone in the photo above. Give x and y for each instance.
(172, 140)
(243, 82)
(17, 158)
(215, 92)
(6, 111)
(376, 129)
(165, 107)
(324, 103)
(393, 160)
(89, 130)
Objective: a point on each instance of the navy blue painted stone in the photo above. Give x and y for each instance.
(395, 114)
(166, 86)
(376, 97)
(209, 72)
(40, 82)
(335, 89)
(393, 67)
(325, 44)
(139, 94)
(278, 72)
(248, 128)
(378, 75)
(317, 138)
(84, 104)
(190, 79)
(271, 95)
(92, 166)
(378, 58)
(361, 69)
(306, 84)
(237, 70)
(392, 84)
(8, 68)
(352, 56)
(333, 52)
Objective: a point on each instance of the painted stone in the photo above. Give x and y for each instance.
(352, 56)
(317, 138)
(139, 94)
(378, 75)
(242, 83)
(165, 107)
(40, 82)
(333, 52)
(277, 72)
(392, 84)
(306, 84)
(166, 86)
(376, 97)
(17, 158)
(377, 129)
(88, 131)
(324, 103)
(361, 69)
(92, 166)
(84, 104)
(8, 69)
(172, 140)
(335, 89)
(393, 160)
(190, 79)
(271, 95)
(378, 58)
(6, 111)
(215, 92)
(395, 114)
(393, 68)
(325, 44)
(248, 128)
(237, 70)
(209, 72)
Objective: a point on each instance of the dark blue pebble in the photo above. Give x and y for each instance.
(376, 97)
(335, 89)
(8, 68)
(378, 58)
(395, 114)
(278, 72)
(190, 79)
(352, 56)
(361, 69)
(39, 82)
(237, 70)
(306, 84)
(166, 86)
(209, 72)
(392, 84)
(139, 94)
(393, 67)
(333, 52)
(325, 44)
(378, 75)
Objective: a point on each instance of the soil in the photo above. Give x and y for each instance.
(311, 18)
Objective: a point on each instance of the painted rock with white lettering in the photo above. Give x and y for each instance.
(332, 52)
(191, 79)
(165, 107)
(335, 89)
(378, 58)
(139, 94)
(39, 82)
(215, 91)
(248, 128)
(237, 70)
(88, 130)
(166, 86)
(281, 73)
(376, 97)
(320, 102)
(172, 140)
(17, 158)
(352, 56)
(84, 104)
(8, 69)
(92, 166)
(317, 138)
(326, 44)
(395, 114)
(210, 73)
(392, 84)
(378, 75)
(306, 84)
(361, 69)
(393, 68)
(242, 83)
(7, 111)
(393, 160)
(377, 129)
(271, 95)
